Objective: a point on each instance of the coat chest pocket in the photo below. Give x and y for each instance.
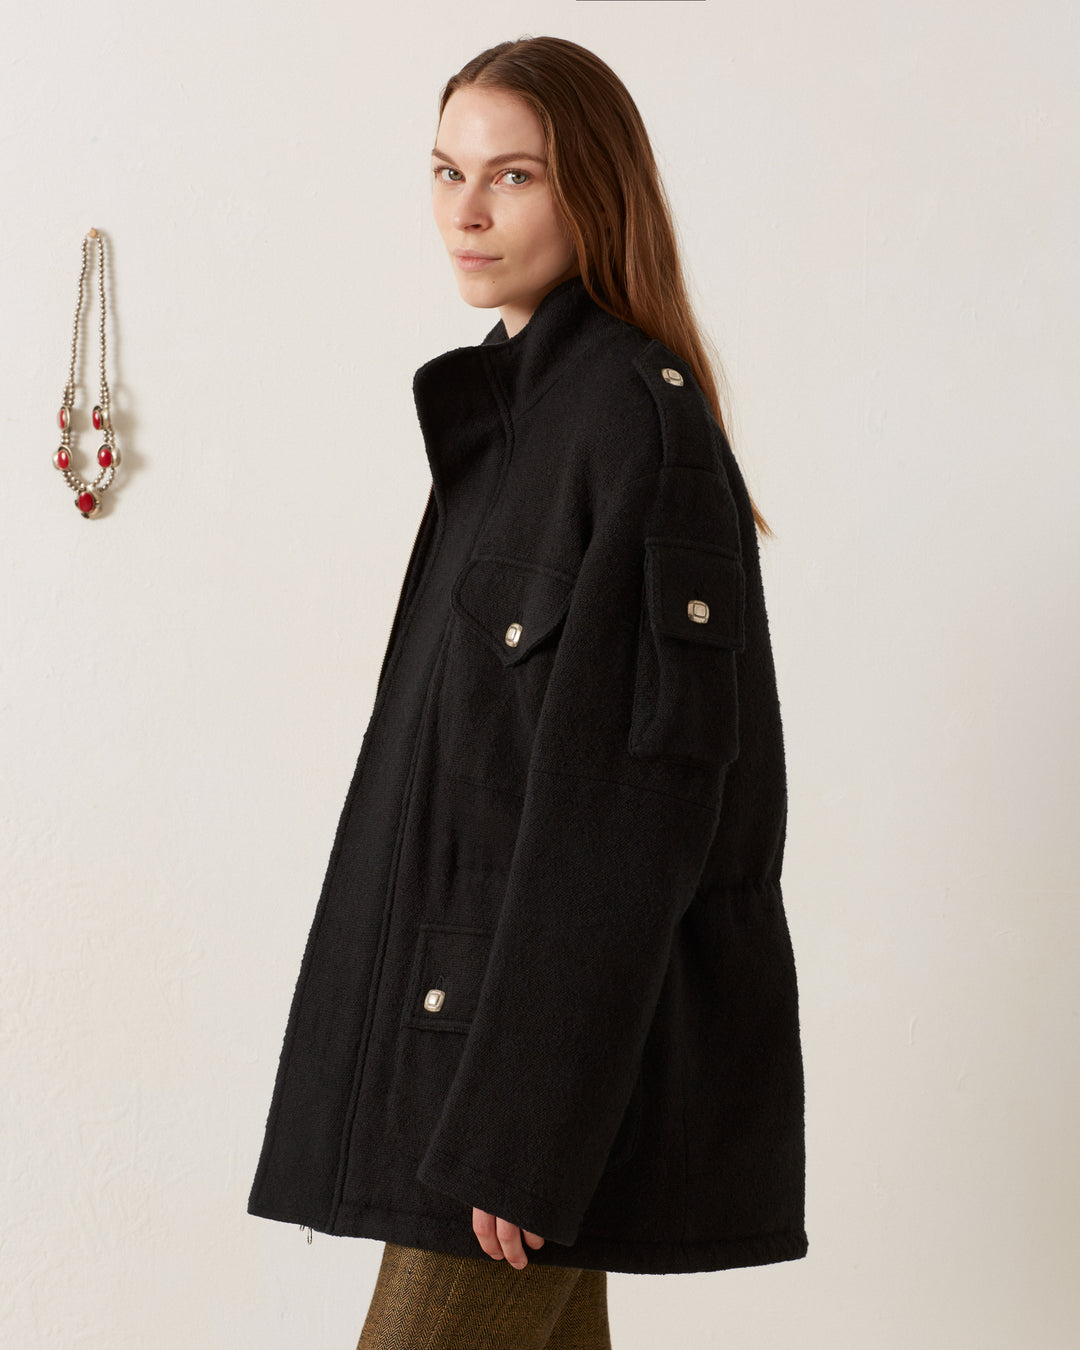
(502, 647)
(443, 989)
(692, 625)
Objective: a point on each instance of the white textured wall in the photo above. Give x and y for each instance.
(879, 210)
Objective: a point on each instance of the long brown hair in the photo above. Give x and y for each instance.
(605, 181)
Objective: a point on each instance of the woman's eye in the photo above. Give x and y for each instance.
(445, 168)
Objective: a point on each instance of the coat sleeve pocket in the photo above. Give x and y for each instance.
(447, 971)
(691, 628)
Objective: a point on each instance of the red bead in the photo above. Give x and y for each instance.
(63, 417)
(104, 456)
(97, 419)
(85, 502)
(63, 459)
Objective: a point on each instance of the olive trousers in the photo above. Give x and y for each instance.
(434, 1301)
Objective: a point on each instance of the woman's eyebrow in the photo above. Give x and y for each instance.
(498, 159)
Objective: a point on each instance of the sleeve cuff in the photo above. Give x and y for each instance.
(534, 1213)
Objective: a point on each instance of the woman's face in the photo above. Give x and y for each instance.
(504, 210)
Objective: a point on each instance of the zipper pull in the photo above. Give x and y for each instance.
(302, 1227)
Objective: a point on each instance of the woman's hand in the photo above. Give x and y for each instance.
(500, 1238)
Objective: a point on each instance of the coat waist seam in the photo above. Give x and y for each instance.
(618, 782)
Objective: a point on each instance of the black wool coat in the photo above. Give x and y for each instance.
(550, 973)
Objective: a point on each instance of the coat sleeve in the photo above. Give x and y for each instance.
(637, 729)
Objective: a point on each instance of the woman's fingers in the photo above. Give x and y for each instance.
(501, 1238)
(484, 1228)
(509, 1235)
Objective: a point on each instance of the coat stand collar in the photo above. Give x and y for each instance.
(468, 397)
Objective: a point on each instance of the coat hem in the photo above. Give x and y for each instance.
(660, 1256)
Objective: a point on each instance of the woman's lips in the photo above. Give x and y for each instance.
(473, 264)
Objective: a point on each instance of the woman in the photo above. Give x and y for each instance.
(546, 1023)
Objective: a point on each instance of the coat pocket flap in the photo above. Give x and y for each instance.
(447, 973)
(514, 605)
(696, 591)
